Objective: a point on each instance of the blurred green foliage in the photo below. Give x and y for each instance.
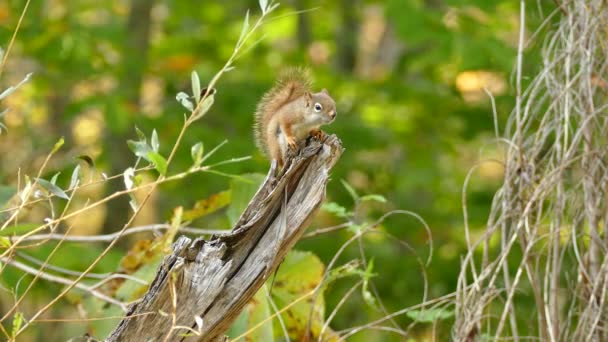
(408, 77)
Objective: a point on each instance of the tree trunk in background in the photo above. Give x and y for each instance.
(135, 53)
(303, 24)
(346, 38)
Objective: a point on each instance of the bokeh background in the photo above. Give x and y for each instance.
(409, 77)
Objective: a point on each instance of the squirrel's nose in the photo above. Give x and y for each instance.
(333, 114)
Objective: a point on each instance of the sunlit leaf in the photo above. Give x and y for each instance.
(336, 209)
(140, 134)
(74, 180)
(196, 152)
(5, 242)
(196, 86)
(58, 145)
(244, 29)
(54, 178)
(297, 276)
(204, 107)
(160, 163)
(430, 315)
(373, 197)
(256, 310)
(17, 323)
(208, 205)
(140, 148)
(367, 295)
(154, 143)
(263, 5)
(52, 188)
(350, 190)
(23, 195)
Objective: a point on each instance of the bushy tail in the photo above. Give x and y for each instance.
(291, 84)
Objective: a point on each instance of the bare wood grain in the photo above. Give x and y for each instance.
(214, 279)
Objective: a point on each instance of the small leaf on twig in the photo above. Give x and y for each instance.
(204, 107)
(154, 143)
(160, 163)
(197, 151)
(140, 148)
(263, 5)
(243, 30)
(196, 86)
(52, 188)
(75, 179)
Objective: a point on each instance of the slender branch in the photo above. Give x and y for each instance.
(62, 280)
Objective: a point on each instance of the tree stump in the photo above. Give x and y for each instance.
(210, 282)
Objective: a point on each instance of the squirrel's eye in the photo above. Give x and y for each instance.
(318, 107)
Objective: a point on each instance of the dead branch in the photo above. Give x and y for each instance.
(214, 279)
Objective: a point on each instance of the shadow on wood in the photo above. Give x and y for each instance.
(214, 279)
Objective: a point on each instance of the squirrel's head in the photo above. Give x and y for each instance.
(321, 106)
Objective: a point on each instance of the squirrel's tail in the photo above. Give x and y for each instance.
(291, 84)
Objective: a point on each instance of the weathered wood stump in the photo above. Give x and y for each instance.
(214, 279)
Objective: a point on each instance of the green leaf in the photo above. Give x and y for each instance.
(87, 160)
(257, 310)
(263, 5)
(140, 148)
(430, 315)
(244, 29)
(4, 242)
(54, 178)
(74, 180)
(336, 209)
(204, 107)
(355, 228)
(140, 134)
(366, 294)
(196, 86)
(300, 273)
(196, 152)
(373, 197)
(17, 322)
(52, 188)
(350, 190)
(58, 145)
(18, 229)
(160, 163)
(208, 205)
(154, 143)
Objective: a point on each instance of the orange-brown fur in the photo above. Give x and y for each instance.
(289, 113)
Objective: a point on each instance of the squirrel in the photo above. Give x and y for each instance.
(289, 113)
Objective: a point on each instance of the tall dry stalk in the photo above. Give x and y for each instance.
(550, 215)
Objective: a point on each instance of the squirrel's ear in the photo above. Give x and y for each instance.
(324, 91)
(308, 98)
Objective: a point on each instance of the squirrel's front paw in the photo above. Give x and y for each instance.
(291, 143)
(318, 134)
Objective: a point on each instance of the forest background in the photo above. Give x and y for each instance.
(412, 80)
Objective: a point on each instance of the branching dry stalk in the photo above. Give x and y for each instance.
(552, 207)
